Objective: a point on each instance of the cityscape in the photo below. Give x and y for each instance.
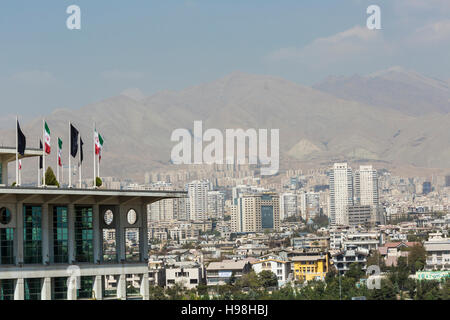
(212, 158)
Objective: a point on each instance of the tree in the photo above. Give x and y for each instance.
(417, 258)
(98, 182)
(268, 279)
(375, 259)
(50, 179)
(249, 280)
(157, 293)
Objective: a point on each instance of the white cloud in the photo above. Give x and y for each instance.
(346, 45)
(433, 33)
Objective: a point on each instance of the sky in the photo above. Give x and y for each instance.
(174, 44)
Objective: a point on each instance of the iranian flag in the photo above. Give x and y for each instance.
(98, 140)
(59, 152)
(47, 138)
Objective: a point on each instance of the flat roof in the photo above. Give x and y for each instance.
(73, 195)
(9, 153)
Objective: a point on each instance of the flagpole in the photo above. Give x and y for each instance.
(39, 173)
(17, 151)
(43, 152)
(79, 156)
(70, 156)
(95, 177)
(57, 162)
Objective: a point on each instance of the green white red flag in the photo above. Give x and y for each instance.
(60, 144)
(47, 138)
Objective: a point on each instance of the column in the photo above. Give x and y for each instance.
(98, 288)
(96, 233)
(45, 234)
(122, 287)
(72, 288)
(143, 234)
(145, 289)
(4, 176)
(120, 234)
(46, 293)
(71, 227)
(18, 237)
(19, 291)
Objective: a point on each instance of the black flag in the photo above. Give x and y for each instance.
(73, 141)
(40, 158)
(81, 150)
(21, 140)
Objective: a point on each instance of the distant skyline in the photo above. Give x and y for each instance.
(171, 45)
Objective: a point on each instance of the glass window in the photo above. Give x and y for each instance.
(33, 289)
(109, 245)
(84, 234)
(86, 288)
(132, 251)
(5, 216)
(7, 289)
(32, 234)
(59, 288)
(60, 235)
(7, 246)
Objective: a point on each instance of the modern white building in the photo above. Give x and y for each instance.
(198, 199)
(216, 204)
(341, 193)
(310, 205)
(288, 205)
(277, 265)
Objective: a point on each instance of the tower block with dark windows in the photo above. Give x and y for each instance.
(73, 243)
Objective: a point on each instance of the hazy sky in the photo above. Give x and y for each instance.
(170, 44)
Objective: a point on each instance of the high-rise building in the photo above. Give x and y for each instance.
(216, 204)
(426, 187)
(162, 210)
(310, 205)
(198, 199)
(366, 191)
(288, 205)
(341, 193)
(256, 212)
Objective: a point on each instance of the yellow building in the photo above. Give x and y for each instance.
(310, 267)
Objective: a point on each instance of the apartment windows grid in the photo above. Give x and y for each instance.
(32, 234)
(7, 246)
(59, 288)
(7, 289)
(33, 289)
(60, 235)
(84, 234)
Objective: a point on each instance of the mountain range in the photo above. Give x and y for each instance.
(392, 117)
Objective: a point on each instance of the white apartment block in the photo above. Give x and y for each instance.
(288, 205)
(341, 193)
(198, 199)
(277, 265)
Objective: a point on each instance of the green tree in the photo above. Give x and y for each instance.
(417, 258)
(267, 279)
(50, 179)
(98, 182)
(157, 293)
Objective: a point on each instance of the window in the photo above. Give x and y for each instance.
(59, 288)
(131, 217)
(132, 250)
(193, 281)
(7, 246)
(86, 286)
(32, 234)
(108, 217)
(60, 235)
(5, 216)
(33, 289)
(7, 289)
(84, 234)
(170, 281)
(109, 245)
